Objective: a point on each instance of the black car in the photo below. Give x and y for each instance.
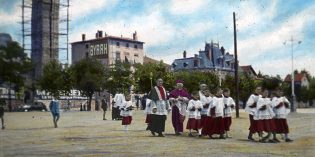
(36, 106)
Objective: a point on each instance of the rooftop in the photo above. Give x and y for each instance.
(109, 37)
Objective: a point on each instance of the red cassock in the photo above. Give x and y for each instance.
(281, 126)
(194, 124)
(227, 123)
(126, 120)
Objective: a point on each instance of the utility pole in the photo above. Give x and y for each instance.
(236, 70)
(292, 79)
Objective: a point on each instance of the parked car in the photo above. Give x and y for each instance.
(36, 106)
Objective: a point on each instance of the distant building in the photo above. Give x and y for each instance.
(4, 39)
(109, 49)
(147, 60)
(211, 59)
(45, 32)
(248, 70)
(300, 80)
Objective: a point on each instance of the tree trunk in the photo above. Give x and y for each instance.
(10, 101)
(90, 102)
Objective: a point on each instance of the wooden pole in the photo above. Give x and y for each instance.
(236, 70)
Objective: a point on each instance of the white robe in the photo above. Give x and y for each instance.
(148, 106)
(181, 105)
(219, 106)
(281, 112)
(251, 100)
(124, 106)
(118, 99)
(229, 102)
(162, 107)
(197, 105)
(263, 114)
(205, 100)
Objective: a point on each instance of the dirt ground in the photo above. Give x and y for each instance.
(86, 134)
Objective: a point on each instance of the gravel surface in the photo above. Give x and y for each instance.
(86, 134)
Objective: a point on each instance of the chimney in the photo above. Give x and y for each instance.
(105, 34)
(100, 34)
(83, 37)
(96, 35)
(184, 54)
(135, 37)
(196, 56)
(222, 50)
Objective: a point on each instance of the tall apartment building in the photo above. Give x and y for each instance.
(109, 49)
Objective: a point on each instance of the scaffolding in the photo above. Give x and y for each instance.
(45, 31)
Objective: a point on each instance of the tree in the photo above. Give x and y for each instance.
(55, 80)
(271, 83)
(14, 64)
(88, 76)
(142, 76)
(192, 79)
(119, 78)
(247, 86)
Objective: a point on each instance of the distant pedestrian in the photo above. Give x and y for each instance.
(126, 111)
(2, 104)
(54, 109)
(104, 107)
(117, 102)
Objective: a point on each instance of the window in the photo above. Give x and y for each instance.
(195, 63)
(136, 55)
(185, 64)
(117, 56)
(127, 45)
(117, 43)
(136, 46)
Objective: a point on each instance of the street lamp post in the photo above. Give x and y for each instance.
(293, 103)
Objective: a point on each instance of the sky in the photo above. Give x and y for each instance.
(168, 27)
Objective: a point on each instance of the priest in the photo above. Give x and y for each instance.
(179, 98)
(160, 107)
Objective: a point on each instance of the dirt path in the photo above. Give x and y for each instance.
(86, 134)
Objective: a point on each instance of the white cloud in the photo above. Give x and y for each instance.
(252, 14)
(271, 42)
(282, 66)
(186, 6)
(151, 28)
(11, 18)
(81, 8)
(197, 29)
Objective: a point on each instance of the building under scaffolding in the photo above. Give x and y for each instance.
(45, 28)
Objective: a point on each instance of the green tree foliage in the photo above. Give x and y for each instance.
(118, 78)
(311, 93)
(194, 78)
(13, 64)
(88, 76)
(142, 76)
(271, 83)
(55, 80)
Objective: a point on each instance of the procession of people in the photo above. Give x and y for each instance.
(208, 112)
